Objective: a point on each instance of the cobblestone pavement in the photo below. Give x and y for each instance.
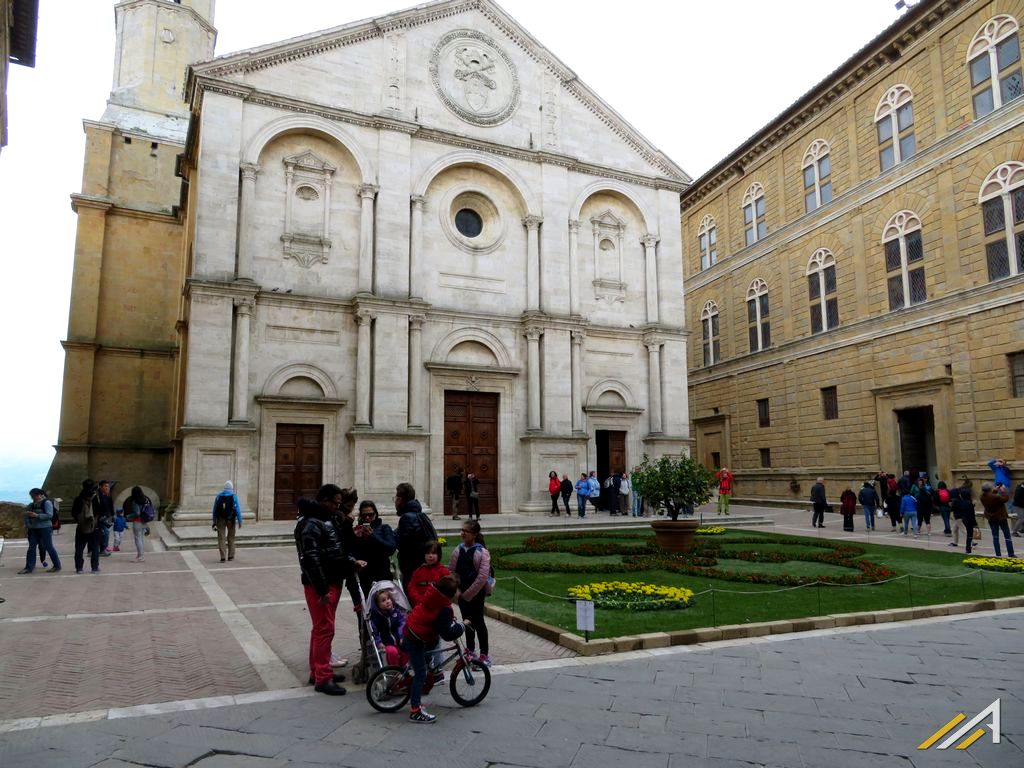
(180, 625)
(833, 699)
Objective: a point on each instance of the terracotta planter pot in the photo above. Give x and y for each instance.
(675, 535)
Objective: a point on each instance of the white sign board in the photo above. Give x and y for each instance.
(585, 615)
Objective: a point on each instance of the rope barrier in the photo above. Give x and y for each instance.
(757, 592)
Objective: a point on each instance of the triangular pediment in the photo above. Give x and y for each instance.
(608, 219)
(309, 161)
(475, 73)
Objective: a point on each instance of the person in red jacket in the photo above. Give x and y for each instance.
(724, 478)
(554, 490)
(427, 574)
(430, 619)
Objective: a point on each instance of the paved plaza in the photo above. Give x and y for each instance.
(185, 661)
(823, 700)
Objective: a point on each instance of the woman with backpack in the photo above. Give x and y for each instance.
(942, 506)
(138, 509)
(471, 564)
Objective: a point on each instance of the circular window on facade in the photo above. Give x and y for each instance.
(469, 223)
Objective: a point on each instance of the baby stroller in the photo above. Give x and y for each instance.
(370, 658)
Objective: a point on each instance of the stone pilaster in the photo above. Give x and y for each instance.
(416, 371)
(363, 353)
(367, 193)
(240, 391)
(532, 224)
(416, 247)
(577, 380)
(243, 270)
(533, 335)
(651, 264)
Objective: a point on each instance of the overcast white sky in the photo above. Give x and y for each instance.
(696, 78)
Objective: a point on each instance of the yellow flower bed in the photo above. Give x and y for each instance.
(711, 530)
(1004, 564)
(633, 595)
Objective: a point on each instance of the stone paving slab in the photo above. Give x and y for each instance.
(545, 718)
(147, 633)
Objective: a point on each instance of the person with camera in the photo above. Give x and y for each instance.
(372, 542)
(993, 498)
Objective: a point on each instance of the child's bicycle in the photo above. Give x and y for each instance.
(389, 687)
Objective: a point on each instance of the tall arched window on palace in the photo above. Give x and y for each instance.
(821, 290)
(817, 175)
(993, 58)
(894, 121)
(709, 333)
(754, 226)
(758, 326)
(1002, 211)
(904, 260)
(707, 242)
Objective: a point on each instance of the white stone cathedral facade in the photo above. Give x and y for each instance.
(415, 243)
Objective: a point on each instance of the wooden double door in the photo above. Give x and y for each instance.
(471, 444)
(298, 466)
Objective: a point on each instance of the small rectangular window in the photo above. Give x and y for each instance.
(887, 158)
(992, 216)
(824, 167)
(751, 311)
(915, 248)
(908, 145)
(830, 403)
(895, 286)
(983, 103)
(905, 116)
(810, 201)
(1016, 361)
(766, 334)
(1017, 198)
(808, 176)
(998, 260)
(832, 312)
(749, 235)
(1010, 86)
(766, 456)
(762, 230)
(1007, 52)
(918, 292)
(830, 279)
(884, 129)
(980, 71)
(816, 318)
(892, 255)
(826, 192)
(813, 287)
(752, 338)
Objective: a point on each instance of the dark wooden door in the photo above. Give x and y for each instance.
(298, 466)
(471, 443)
(611, 458)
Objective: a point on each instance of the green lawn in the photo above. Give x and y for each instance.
(543, 595)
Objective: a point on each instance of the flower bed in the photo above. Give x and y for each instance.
(1004, 565)
(632, 595)
(701, 561)
(711, 530)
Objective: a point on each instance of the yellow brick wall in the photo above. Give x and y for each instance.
(950, 352)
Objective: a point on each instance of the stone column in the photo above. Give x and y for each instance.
(532, 224)
(243, 269)
(240, 392)
(363, 342)
(416, 246)
(367, 192)
(574, 268)
(651, 259)
(533, 378)
(577, 380)
(416, 371)
(654, 376)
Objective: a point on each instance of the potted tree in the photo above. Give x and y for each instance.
(678, 484)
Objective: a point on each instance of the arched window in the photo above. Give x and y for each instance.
(1002, 212)
(707, 242)
(758, 327)
(709, 333)
(904, 254)
(817, 175)
(894, 120)
(993, 58)
(753, 214)
(821, 290)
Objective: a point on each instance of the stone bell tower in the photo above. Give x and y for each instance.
(121, 350)
(156, 40)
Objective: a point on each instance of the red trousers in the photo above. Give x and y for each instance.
(322, 634)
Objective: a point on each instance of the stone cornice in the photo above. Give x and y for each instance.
(885, 49)
(169, 350)
(101, 203)
(949, 308)
(462, 368)
(350, 34)
(928, 160)
(171, 6)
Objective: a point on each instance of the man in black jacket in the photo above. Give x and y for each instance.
(414, 531)
(325, 566)
(86, 512)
